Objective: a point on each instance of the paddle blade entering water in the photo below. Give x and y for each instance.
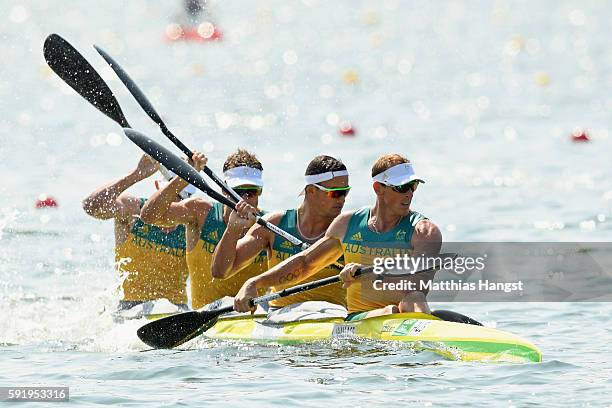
(175, 330)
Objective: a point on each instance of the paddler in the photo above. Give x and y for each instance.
(205, 223)
(326, 186)
(152, 258)
(387, 229)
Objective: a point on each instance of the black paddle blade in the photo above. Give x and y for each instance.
(172, 162)
(74, 69)
(175, 330)
(451, 316)
(131, 86)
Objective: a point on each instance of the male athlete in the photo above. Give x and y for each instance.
(326, 187)
(389, 228)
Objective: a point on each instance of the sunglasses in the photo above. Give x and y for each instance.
(249, 191)
(335, 192)
(404, 188)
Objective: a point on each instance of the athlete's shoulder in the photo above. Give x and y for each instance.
(129, 205)
(347, 215)
(339, 225)
(198, 204)
(274, 217)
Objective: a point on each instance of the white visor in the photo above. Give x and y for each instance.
(319, 178)
(243, 176)
(398, 175)
(169, 175)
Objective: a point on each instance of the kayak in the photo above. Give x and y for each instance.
(453, 341)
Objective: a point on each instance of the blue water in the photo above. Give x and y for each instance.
(481, 96)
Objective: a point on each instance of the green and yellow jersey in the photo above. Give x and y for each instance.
(283, 249)
(361, 245)
(205, 289)
(154, 260)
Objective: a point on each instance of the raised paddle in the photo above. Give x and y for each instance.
(185, 171)
(172, 331)
(74, 70)
(144, 103)
(77, 72)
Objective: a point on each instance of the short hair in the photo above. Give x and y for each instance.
(386, 161)
(323, 164)
(242, 158)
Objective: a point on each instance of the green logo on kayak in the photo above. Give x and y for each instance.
(411, 327)
(403, 328)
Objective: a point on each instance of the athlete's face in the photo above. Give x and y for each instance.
(396, 203)
(330, 203)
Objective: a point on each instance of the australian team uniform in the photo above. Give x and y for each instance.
(154, 260)
(361, 245)
(205, 289)
(283, 249)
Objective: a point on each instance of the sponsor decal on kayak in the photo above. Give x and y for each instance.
(343, 331)
(388, 328)
(411, 327)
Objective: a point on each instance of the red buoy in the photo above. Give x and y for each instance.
(347, 129)
(204, 32)
(45, 201)
(580, 136)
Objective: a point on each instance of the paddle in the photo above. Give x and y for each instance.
(190, 175)
(143, 101)
(77, 72)
(451, 316)
(74, 69)
(172, 331)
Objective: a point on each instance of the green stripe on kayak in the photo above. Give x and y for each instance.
(518, 350)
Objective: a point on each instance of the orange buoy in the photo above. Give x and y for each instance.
(45, 201)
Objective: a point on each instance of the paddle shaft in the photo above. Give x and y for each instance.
(78, 73)
(147, 106)
(331, 280)
(309, 286)
(174, 330)
(185, 171)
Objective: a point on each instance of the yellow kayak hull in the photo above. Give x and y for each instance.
(453, 341)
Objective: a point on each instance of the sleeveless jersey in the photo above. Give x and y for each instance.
(154, 261)
(361, 245)
(283, 249)
(205, 289)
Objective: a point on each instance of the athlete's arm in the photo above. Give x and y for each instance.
(300, 266)
(163, 210)
(426, 239)
(105, 202)
(234, 253)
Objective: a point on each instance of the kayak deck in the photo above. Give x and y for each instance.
(453, 341)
